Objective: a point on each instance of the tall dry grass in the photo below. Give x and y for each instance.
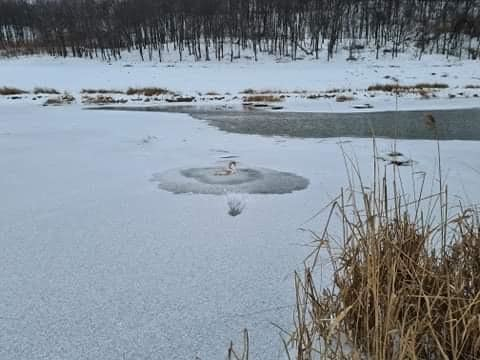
(404, 283)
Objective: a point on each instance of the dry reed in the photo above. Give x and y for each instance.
(404, 286)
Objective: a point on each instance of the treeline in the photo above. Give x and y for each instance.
(222, 29)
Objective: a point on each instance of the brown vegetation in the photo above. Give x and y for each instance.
(262, 98)
(263, 92)
(101, 91)
(335, 91)
(343, 98)
(44, 90)
(149, 91)
(406, 88)
(403, 286)
(7, 90)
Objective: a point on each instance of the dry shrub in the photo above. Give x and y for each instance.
(431, 86)
(335, 91)
(236, 204)
(343, 98)
(101, 91)
(270, 91)
(299, 92)
(45, 90)
(8, 90)
(262, 98)
(332, 91)
(472, 86)
(406, 88)
(149, 91)
(404, 286)
(383, 87)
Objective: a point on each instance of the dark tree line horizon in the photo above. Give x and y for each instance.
(222, 29)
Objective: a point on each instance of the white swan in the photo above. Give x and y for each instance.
(230, 170)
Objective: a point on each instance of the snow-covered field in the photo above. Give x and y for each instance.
(222, 83)
(97, 262)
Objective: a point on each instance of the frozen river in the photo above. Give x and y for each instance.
(98, 262)
(463, 124)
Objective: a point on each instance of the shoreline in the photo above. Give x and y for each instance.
(310, 85)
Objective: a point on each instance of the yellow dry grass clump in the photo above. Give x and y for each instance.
(262, 98)
(149, 91)
(404, 287)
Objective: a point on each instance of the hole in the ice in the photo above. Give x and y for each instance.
(213, 176)
(211, 180)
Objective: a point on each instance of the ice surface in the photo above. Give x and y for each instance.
(97, 263)
(245, 180)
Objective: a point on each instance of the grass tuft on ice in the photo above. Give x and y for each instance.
(236, 204)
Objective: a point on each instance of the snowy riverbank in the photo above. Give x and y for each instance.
(303, 85)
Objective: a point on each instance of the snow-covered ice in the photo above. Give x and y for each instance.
(97, 262)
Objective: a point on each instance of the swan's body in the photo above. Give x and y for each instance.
(230, 170)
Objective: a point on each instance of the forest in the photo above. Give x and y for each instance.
(224, 29)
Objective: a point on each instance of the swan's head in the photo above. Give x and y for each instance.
(232, 165)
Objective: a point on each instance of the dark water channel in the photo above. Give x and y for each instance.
(461, 124)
